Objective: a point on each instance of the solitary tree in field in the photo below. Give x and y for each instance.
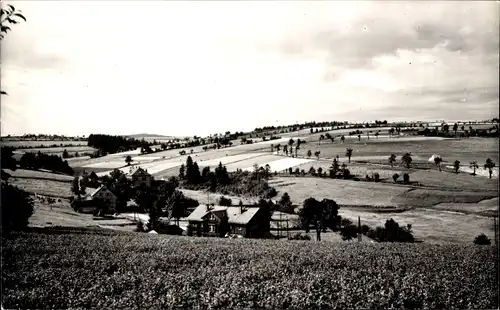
(489, 165)
(65, 154)
(456, 165)
(376, 134)
(342, 138)
(474, 166)
(437, 161)
(359, 137)
(290, 143)
(285, 149)
(272, 148)
(182, 171)
(392, 160)
(320, 171)
(321, 138)
(309, 153)
(128, 160)
(317, 153)
(348, 153)
(312, 171)
(406, 159)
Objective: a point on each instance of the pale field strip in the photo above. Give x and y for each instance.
(479, 172)
(278, 164)
(133, 152)
(106, 164)
(159, 166)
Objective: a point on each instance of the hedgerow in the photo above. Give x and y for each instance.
(155, 272)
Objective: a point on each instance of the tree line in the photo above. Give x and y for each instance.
(108, 144)
(44, 161)
(220, 180)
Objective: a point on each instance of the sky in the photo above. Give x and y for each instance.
(203, 67)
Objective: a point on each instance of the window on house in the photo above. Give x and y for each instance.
(211, 228)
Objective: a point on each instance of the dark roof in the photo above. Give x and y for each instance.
(140, 171)
(234, 214)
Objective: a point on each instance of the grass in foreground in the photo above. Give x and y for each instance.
(72, 270)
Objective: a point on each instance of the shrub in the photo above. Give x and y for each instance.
(406, 178)
(297, 171)
(395, 177)
(223, 201)
(140, 226)
(349, 232)
(17, 207)
(365, 229)
(482, 239)
(376, 177)
(299, 236)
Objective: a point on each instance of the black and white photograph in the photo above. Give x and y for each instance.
(249, 154)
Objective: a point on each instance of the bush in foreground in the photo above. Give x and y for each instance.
(482, 239)
(155, 272)
(17, 207)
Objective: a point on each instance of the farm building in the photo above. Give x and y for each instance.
(141, 176)
(217, 221)
(99, 194)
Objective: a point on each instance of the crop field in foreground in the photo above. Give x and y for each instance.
(121, 270)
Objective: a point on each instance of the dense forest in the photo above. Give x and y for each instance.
(108, 144)
(43, 161)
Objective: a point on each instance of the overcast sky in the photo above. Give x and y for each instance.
(185, 68)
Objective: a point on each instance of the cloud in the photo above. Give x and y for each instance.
(205, 67)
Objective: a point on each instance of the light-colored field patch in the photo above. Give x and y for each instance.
(481, 172)
(431, 226)
(107, 164)
(43, 187)
(448, 180)
(342, 191)
(142, 158)
(124, 154)
(23, 173)
(467, 208)
(232, 159)
(283, 163)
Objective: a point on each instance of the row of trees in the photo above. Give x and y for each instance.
(489, 164)
(289, 147)
(44, 161)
